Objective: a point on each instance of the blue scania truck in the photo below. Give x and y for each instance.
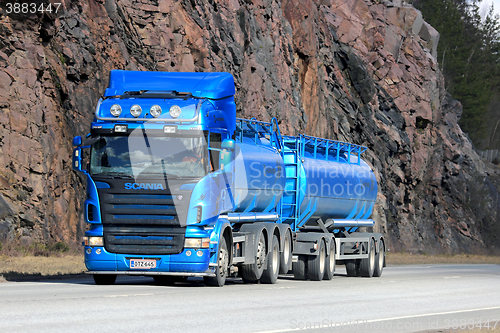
(178, 187)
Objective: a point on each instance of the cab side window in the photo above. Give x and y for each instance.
(215, 142)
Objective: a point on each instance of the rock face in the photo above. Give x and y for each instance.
(354, 70)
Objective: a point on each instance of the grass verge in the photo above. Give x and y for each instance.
(423, 259)
(33, 267)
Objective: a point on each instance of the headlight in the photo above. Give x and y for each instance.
(155, 111)
(135, 110)
(175, 111)
(93, 241)
(116, 110)
(197, 243)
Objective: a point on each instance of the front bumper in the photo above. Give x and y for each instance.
(186, 263)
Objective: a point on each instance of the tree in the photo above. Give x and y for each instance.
(468, 56)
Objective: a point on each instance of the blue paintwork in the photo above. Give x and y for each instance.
(202, 85)
(259, 177)
(215, 91)
(300, 178)
(93, 201)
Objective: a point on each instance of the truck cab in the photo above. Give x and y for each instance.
(153, 172)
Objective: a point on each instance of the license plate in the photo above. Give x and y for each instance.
(142, 263)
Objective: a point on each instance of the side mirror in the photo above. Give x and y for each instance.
(226, 155)
(228, 144)
(77, 141)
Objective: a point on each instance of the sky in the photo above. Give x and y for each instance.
(486, 5)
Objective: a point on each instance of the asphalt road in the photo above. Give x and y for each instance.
(404, 299)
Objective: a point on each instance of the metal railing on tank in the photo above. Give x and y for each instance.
(331, 150)
(255, 129)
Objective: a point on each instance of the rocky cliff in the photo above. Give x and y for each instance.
(355, 70)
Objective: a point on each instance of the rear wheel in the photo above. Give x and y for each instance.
(270, 274)
(367, 265)
(104, 279)
(251, 273)
(222, 267)
(379, 260)
(352, 267)
(316, 265)
(299, 268)
(286, 255)
(330, 262)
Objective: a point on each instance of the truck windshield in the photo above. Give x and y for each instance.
(137, 155)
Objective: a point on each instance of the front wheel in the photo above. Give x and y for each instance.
(104, 279)
(270, 274)
(221, 271)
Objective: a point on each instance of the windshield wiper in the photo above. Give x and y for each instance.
(115, 175)
(168, 175)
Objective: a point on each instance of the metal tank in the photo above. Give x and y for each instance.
(259, 178)
(333, 182)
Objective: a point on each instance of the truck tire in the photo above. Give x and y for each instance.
(286, 255)
(104, 279)
(251, 273)
(367, 265)
(299, 268)
(379, 260)
(352, 267)
(316, 265)
(270, 274)
(222, 267)
(330, 262)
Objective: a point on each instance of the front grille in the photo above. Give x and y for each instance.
(141, 221)
(143, 239)
(137, 209)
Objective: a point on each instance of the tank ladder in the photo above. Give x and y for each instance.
(291, 157)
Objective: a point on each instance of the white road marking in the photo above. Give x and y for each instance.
(111, 296)
(396, 318)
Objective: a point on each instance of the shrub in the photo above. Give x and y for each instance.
(60, 247)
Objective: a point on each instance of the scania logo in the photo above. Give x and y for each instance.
(144, 186)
